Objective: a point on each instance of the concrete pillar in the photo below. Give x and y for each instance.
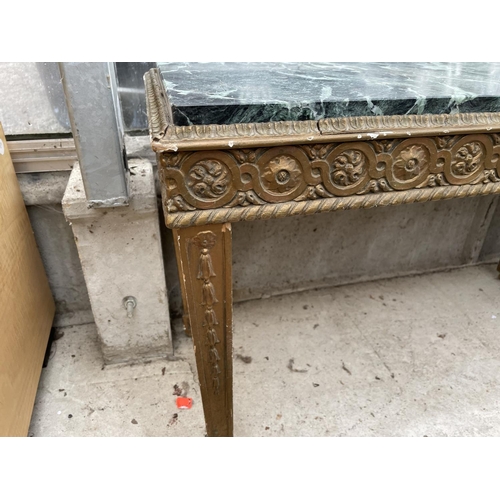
(121, 255)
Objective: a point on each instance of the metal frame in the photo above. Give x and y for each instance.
(42, 155)
(93, 106)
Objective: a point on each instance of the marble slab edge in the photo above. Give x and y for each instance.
(167, 137)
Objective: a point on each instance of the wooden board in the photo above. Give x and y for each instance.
(26, 305)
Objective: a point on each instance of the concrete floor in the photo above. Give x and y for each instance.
(414, 356)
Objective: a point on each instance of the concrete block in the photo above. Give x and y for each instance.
(62, 264)
(121, 255)
(42, 193)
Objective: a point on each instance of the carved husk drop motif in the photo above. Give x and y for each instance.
(205, 241)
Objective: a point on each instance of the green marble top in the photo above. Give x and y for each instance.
(226, 93)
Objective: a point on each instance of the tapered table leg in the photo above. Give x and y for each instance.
(204, 261)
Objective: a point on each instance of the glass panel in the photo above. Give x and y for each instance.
(32, 98)
(132, 96)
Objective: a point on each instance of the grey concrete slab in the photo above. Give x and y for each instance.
(416, 370)
(108, 400)
(425, 364)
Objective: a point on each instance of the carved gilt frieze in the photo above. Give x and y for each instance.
(241, 177)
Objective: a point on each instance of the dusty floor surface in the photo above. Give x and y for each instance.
(415, 356)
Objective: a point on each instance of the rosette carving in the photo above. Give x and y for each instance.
(281, 174)
(348, 168)
(410, 163)
(208, 179)
(468, 159)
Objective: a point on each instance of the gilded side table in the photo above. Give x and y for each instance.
(234, 144)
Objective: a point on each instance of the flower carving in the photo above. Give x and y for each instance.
(208, 179)
(169, 160)
(348, 167)
(317, 152)
(244, 155)
(468, 159)
(445, 141)
(383, 146)
(205, 239)
(281, 174)
(411, 162)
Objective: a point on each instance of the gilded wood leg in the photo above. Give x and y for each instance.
(204, 260)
